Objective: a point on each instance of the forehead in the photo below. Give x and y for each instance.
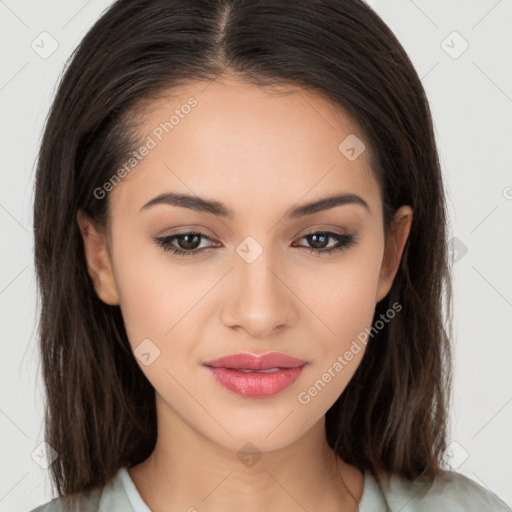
(246, 145)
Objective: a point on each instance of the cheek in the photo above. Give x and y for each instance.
(346, 309)
(151, 294)
(155, 300)
(342, 294)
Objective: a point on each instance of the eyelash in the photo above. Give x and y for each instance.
(344, 242)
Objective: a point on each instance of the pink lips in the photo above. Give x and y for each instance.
(244, 374)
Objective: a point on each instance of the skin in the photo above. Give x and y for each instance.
(260, 153)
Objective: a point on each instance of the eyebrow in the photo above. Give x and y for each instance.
(220, 209)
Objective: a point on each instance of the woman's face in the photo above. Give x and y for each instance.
(252, 281)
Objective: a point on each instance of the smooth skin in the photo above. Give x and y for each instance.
(261, 153)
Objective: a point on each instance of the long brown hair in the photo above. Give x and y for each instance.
(100, 411)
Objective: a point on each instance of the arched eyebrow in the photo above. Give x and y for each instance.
(217, 208)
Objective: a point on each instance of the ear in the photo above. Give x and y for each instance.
(98, 260)
(395, 243)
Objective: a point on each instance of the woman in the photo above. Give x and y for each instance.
(241, 251)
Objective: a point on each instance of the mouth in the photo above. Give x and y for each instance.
(255, 376)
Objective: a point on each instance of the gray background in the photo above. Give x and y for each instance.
(471, 98)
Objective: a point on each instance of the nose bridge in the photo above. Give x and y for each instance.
(259, 301)
(257, 267)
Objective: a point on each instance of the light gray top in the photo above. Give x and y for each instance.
(450, 492)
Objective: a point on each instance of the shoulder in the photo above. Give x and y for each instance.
(449, 491)
(47, 507)
(109, 498)
(55, 505)
(60, 504)
(88, 502)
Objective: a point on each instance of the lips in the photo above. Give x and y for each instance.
(255, 376)
(267, 363)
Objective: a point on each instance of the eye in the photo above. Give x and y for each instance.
(319, 241)
(188, 243)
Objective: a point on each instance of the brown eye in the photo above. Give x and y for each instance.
(188, 243)
(319, 241)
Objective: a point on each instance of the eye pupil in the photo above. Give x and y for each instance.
(184, 243)
(315, 237)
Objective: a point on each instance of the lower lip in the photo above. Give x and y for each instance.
(255, 385)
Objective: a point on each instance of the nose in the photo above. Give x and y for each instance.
(259, 299)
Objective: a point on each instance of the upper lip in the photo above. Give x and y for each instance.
(256, 362)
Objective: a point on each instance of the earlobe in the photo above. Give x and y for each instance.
(99, 265)
(395, 244)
